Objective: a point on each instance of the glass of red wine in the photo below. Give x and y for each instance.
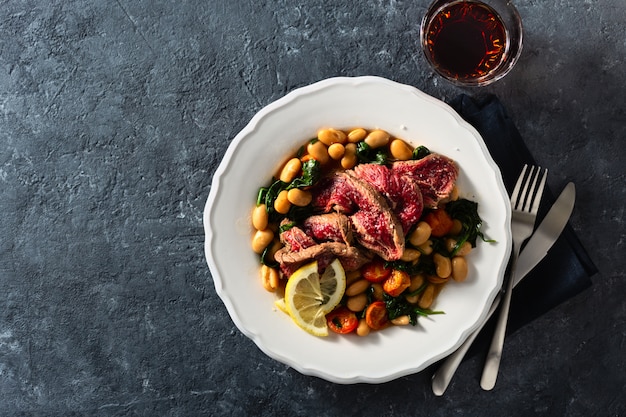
(472, 42)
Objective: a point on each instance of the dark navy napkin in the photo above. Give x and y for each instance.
(566, 270)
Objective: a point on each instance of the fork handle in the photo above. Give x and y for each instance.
(442, 377)
(492, 363)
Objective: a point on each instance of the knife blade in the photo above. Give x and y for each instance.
(547, 233)
(542, 240)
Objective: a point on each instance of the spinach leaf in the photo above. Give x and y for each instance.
(420, 152)
(301, 151)
(284, 227)
(398, 306)
(439, 246)
(267, 196)
(424, 266)
(466, 212)
(266, 260)
(366, 154)
(298, 214)
(311, 171)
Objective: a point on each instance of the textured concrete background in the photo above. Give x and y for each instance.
(113, 117)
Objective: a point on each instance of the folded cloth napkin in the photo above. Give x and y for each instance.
(567, 268)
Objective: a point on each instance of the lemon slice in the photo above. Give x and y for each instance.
(280, 304)
(309, 296)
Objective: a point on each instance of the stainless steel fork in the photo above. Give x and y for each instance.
(525, 201)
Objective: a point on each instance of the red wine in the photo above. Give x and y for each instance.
(466, 40)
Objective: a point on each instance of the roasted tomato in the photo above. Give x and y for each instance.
(376, 315)
(397, 282)
(440, 222)
(375, 271)
(342, 321)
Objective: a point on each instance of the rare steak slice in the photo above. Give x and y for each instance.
(400, 190)
(351, 257)
(376, 227)
(331, 195)
(328, 227)
(410, 203)
(294, 238)
(435, 175)
(372, 231)
(301, 248)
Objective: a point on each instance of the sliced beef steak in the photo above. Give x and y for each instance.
(376, 227)
(331, 195)
(301, 246)
(435, 175)
(328, 227)
(400, 190)
(372, 231)
(351, 257)
(294, 238)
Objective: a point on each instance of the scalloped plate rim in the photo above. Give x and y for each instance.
(217, 273)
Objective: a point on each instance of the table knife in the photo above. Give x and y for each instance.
(544, 237)
(535, 250)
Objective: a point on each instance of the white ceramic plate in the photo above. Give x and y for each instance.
(275, 134)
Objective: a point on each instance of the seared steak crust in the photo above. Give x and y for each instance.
(351, 257)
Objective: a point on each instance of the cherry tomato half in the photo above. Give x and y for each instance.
(375, 271)
(440, 222)
(376, 315)
(342, 320)
(397, 282)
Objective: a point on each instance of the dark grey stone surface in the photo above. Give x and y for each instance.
(113, 117)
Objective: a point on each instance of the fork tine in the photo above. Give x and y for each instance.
(516, 191)
(526, 191)
(530, 189)
(537, 200)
